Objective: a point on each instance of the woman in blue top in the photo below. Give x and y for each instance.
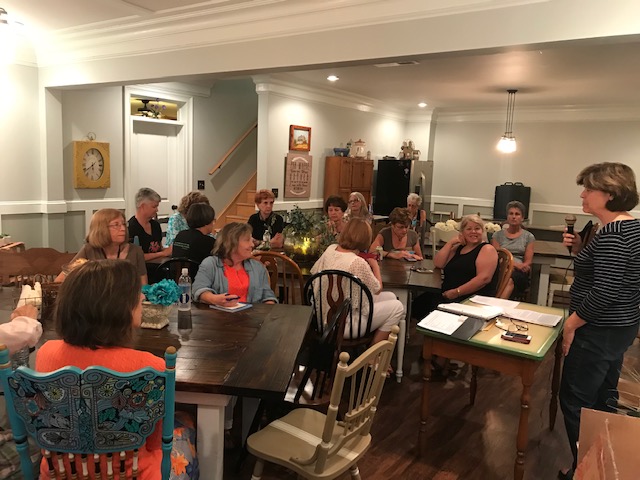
(178, 220)
(231, 275)
(605, 296)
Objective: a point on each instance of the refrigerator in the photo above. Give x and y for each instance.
(395, 179)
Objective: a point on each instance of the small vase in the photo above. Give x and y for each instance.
(156, 316)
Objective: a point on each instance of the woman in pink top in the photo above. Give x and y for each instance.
(98, 307)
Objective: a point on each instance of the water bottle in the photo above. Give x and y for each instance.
(184, 283)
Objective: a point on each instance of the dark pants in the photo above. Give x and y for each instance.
(590, 374)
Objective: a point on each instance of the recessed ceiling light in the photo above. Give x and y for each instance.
(422, 104)
(333, 78)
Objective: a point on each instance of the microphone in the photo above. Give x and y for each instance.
(570, 220)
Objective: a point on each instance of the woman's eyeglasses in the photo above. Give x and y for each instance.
(512, 326)
(117, 226)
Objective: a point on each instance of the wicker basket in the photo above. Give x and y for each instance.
(156, 316)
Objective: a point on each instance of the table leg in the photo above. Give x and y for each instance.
(400, 348)
(543, 284)
(210, 430)
(427, 348)
(555, 383)
(523, 426)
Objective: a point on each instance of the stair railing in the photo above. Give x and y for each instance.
(232, 149)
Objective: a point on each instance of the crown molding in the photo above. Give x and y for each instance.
(210, 24)
(307, 93)
(588, 113)
(173, 88)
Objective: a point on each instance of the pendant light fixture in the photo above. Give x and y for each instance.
(507, 143)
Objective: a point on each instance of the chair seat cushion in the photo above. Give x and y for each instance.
(296, 435)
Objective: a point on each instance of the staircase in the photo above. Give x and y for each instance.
(241, 207)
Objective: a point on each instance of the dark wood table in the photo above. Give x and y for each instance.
(487, 350)
(250, 353)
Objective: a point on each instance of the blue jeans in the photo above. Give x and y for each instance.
(590, 374)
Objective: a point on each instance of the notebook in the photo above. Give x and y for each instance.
(236, 308)
(484, 312)
(457, 326)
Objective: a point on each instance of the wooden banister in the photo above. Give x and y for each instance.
(232, 149)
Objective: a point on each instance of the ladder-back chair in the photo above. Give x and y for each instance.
(172, 268)
(505, 268)
(317, 446)
(286, 271)
(95, 414)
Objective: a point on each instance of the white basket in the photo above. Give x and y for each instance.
(156, 316)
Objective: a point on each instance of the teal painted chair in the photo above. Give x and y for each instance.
(93, 412)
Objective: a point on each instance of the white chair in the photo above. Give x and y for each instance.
(443, 236)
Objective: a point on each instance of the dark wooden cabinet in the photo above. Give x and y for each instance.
(343, 175)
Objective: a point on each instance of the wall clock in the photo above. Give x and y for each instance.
(91, 165)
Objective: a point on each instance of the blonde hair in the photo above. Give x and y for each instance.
(363, 213)
(229, 237)
(356, 235)
(473, 218)
(189, 199)
(99, 235)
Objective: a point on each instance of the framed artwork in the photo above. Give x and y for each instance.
(299, 138)
(297, 175)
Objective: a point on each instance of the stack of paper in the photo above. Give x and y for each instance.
(484, 312)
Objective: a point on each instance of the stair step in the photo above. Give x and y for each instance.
(237, 218)
(247, 209)
(251, 196)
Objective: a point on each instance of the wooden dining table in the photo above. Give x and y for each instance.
(251, 353)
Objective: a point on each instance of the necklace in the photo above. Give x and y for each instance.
(117, 256)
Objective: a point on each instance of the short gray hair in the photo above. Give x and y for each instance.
(515, 204)
(414, 198)
(147, 195)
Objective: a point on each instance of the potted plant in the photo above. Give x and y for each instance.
(160, 302)
(306, 236)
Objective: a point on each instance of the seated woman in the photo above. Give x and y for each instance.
(102, 336)
(398, 241)
(520, 243)
(335, 207)
(416, 214)
(144, 229)
(108, 239)
(178, 220)
(470, 265)
(231, 275)
(195, 243)
(266, 221)
(355, 238)
(358, 208)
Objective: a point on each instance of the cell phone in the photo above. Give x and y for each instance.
(516, 337)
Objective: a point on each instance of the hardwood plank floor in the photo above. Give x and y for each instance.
(462, 442)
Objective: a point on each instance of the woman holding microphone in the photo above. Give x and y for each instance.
(605, 296)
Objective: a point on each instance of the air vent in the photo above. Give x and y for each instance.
(396, 64)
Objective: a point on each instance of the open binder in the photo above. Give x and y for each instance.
(458, 320)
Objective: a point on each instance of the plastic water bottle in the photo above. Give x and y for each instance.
(184, 283)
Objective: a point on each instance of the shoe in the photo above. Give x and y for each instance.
(565, 476)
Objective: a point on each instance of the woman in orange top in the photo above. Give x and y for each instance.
(98, 307)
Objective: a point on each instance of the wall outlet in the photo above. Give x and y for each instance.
(275, 192)
(200, 184)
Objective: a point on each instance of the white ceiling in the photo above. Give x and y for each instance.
(590, 73)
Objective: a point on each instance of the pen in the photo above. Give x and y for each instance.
(231, 299)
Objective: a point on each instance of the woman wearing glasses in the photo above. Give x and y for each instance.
(358, 208)
(108, 237)
(398, 240)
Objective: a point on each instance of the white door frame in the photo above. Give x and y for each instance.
(183, 173)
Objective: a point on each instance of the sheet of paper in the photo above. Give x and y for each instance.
(494, 302)
(443, 322)
(537, 318)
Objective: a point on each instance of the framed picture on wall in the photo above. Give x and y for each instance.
(297, 175)
(299, 138)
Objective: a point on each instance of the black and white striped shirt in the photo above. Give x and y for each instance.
(606, 290)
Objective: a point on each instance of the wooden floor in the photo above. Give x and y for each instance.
(462, 442)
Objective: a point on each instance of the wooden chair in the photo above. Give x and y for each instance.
(325, 291)
(172, 268)
(95, 413)
(317, 446)
(282, 269)
(318, 360)
(505, 267)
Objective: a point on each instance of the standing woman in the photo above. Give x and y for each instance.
(178, 221)
(108, 239)
(520, 243)
(358, 208)
(605, 296)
